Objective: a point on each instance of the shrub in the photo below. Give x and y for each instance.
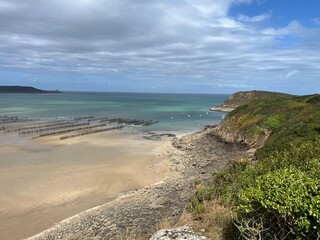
(297, 156)
(195, 201)
(224, 183)
(197, 182)
(194, 205)
(274, 121)
(283, 203)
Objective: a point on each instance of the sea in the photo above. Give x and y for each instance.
(175, 113)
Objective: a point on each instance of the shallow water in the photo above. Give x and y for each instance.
(47, 180)
(175, 112)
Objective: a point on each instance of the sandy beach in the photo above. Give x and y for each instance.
(46, 180)
(139, 213)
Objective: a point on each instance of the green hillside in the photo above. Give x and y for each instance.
(287, 120)
(240, 98)
(275, 195)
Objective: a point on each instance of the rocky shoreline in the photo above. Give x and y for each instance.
(222, 109)
(192, 157)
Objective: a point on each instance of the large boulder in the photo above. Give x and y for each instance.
(179, 233)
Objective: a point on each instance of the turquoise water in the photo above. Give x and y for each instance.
(175, 112)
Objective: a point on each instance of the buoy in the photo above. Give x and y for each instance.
(171, 117)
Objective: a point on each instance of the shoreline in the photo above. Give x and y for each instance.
(77, 174)
(69, 194)
(221, 109)
(142, 210)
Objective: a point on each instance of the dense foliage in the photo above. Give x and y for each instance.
(278, 196)
(290, 120)
(280, 204)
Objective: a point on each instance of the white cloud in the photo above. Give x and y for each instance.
(7, 6)
(193, 42)
(317, 21)
(254, 19)
(211, 7)
(291, 73)
(229, 23)
(293, 27)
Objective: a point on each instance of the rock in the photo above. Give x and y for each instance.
(221, 109)
(179, 233)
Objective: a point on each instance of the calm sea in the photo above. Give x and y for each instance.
(175, 112)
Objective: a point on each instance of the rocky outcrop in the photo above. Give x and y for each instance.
(222, 108)
(178, 234)
(230, 134)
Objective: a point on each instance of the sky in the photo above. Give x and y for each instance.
(181, 46)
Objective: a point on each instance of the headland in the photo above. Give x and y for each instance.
(24, 89)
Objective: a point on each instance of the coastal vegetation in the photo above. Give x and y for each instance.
(240, 98)
(275, 194)
(285, 121)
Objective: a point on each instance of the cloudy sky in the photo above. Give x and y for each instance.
(200, 46)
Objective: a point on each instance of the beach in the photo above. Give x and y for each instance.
(64, 154)
(139, 213)
(46, 180)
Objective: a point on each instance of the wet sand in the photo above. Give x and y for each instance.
(47, 180)
(137, 214)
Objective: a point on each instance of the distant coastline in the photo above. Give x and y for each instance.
(24, 89)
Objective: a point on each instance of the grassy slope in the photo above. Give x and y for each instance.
(240, 98)
(290, 120)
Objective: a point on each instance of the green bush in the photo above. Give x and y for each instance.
(224, 183)
(297, 156)
(194, 205)
(274, 121)
(275, 196)
(195, 201)
(285, 202)
(197, 182)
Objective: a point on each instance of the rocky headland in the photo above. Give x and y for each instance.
(240, 98)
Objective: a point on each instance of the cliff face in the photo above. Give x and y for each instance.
(230, 134)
